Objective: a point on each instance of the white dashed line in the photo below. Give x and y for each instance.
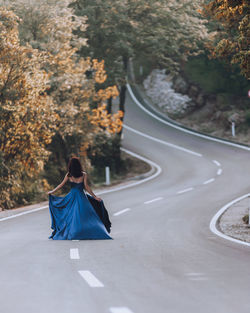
(74, 254)
(75, 240)
(90, 279)
(121, 212)
(185, 190)
(219, 171)
(194, 274)
(198, 278)
(120, 310)
(217, 163)
(208, 181)
(153, 200)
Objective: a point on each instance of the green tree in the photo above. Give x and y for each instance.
(167, 31)
(231, 42)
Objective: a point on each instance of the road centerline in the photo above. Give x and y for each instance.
(121, 212)
(120, 310)
(74, 254)
(208, 181)
(153, 200)
(90, 279)
(219, 171)
(185, 190)
(217, 162)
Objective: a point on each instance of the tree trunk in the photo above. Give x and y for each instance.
(109, 107)
(122, 99)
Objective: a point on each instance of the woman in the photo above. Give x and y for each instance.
(77, 215)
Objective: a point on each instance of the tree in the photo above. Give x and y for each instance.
(27, 114)
(167, 31)
(232, 40)
(45, 91)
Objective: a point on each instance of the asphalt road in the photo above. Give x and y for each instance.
(163, 259)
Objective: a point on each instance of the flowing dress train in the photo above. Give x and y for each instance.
(78, 216)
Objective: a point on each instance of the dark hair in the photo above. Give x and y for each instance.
(74, 167)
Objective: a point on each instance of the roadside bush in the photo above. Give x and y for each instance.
(247, 117)
(105, 151)
(215, 76)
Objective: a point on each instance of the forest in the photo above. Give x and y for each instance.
(64, 71)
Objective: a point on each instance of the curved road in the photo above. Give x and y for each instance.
(163, 259)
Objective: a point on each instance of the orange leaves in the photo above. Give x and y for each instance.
(100, 74)
(232, 43)
(105, 94)
(27, 118)
(110, 122)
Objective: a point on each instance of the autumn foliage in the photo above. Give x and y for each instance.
(45, 91)
(233, 40)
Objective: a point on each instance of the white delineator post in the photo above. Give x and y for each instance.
(107, 174)
(249, 211)
(233, 129)
(141, 70)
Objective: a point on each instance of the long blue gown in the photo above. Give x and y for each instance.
(73, 216)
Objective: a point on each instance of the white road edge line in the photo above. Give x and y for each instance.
(217, 163)
(208, 181)
(162, 141)
(153, 164)
(120, 310)
(74, 254)
(185, 190)
(214, 222)
(90, 279)
(121, 212)
(153, 200)
(181, 128)
(219, 171)
(23, 213)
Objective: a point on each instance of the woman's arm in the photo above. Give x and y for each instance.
(88, 189)
(61, 185)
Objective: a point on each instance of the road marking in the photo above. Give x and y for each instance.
(153, 200)
(219, 171)
(194, 274)
(198, 278)
(23, 213)
(153, 164)
(208, 181)
(90, 279)
(120, 310)
(185, 190)
(74, 254)
(75, 240)
(214, 221)
(162, 141)
(182, 128)
(217, 163)
(121, 212)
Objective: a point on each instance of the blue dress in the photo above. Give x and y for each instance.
(73, 216)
